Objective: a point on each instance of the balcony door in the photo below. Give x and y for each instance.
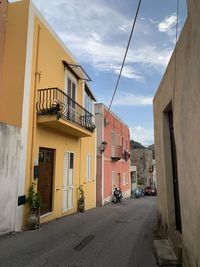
(70, 90)
(68, 181)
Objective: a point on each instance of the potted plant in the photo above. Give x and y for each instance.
(81, 200)
(33, 200)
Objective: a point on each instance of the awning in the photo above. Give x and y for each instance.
(77, 70)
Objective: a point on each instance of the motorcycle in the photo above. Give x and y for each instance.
(117, 195)
(137, 193)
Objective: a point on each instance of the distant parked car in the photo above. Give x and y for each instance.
(150, 191)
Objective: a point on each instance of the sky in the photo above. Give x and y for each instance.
(97, 32)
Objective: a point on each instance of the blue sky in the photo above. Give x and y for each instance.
(97, 31)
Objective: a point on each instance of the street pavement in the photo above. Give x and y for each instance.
(117, 235)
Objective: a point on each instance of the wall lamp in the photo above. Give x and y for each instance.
(103, 146)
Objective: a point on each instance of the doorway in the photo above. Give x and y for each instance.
(175, 173)
(68, 181)
(45, 179)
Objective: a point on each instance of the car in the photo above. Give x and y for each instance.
(150, 191)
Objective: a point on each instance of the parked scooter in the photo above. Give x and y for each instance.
(117, 195)
(137, 193)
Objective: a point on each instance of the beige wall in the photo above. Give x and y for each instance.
(3, 20)
(185, 102)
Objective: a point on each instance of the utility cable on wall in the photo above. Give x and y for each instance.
(122, 66)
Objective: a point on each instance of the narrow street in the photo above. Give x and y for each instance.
(114, 235)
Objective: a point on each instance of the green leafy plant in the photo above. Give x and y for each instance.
(33, 198)
(82, 194)
(81, 200)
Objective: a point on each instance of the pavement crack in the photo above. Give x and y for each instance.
(118, 221)
(84, 242)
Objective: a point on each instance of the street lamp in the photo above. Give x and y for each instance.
(103, 146)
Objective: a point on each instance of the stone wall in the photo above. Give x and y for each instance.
(9, 169)
(143, 160)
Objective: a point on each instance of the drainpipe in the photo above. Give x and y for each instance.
(37, 77)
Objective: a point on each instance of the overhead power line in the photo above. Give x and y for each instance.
(175, 52)
(122, 66)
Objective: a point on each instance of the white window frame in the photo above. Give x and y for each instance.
(118, 140)
(88, 167)
(113, 144)
(70, 76)
(91, 102)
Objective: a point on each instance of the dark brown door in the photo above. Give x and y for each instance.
(175, 174)
(45, 180)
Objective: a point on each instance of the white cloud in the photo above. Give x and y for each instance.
(123, 28)
(142, 135)
(96, 36)
(168, 24)
(153, 21)
(127, 72)
(127, 99)
(106, 57)
(93, 37)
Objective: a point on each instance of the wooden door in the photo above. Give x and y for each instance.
(45, 179)
(68, 181)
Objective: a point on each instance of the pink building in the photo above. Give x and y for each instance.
(113, 158)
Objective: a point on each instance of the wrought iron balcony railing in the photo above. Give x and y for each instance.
(53, 101)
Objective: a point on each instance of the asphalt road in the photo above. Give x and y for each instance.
(117, 235)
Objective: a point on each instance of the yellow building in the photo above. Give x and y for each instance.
(46, 94)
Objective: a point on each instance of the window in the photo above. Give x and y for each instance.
(122, 142)
(89, 168)
(88, 103)
(113, 139)
(70, 88)
(119, 140)
(71, 161)
(126, 145)
(112, 144)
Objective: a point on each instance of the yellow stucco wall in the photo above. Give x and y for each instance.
(11, 93)
(48, 54)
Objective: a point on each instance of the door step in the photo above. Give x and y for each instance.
(164, 254)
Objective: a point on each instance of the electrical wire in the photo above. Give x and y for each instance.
(175, 52)
(122, 66)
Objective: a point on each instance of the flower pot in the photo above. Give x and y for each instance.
(81, 206)
(32, 220)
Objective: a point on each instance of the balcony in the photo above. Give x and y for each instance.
(57, 110)
(116, 152)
